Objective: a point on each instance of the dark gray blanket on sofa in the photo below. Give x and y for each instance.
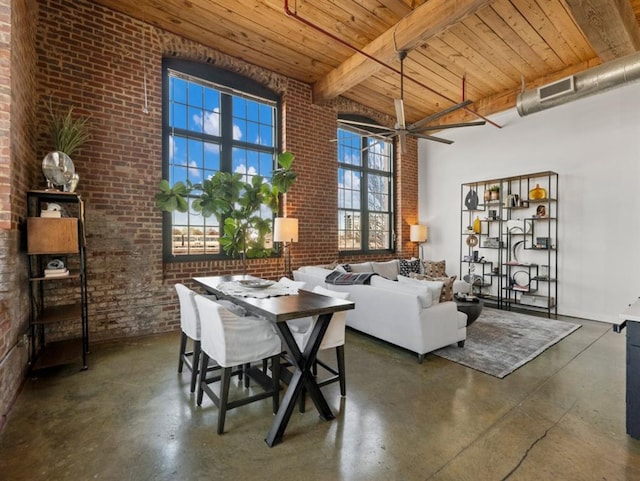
(348, 278)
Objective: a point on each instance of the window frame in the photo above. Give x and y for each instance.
(365, 171)
(228, 83)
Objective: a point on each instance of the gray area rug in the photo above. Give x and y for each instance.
(499, 342)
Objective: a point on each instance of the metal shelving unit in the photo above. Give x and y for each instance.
(515, 234)
(61, 302)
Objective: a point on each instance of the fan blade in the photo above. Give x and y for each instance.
(367, 133)
(363, 124)
(437, 115)
(449, 126)
(399, 113)
(435, 139)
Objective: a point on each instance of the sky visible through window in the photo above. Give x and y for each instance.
(364, 197)
(213, 129)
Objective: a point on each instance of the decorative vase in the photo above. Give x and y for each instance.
(476, 225)
(487, 195)
(495, 195)
(538, 193)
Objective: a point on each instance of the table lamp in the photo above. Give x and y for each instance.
(285, 230)
(418, 234)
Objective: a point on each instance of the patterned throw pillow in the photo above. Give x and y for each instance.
(435, 268)
(447, 290)
(346, 267)
(407, 267)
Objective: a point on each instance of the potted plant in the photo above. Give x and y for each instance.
(494, 192)
(68, 134)
(236, 204)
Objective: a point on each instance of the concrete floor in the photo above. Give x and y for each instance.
(131, 417)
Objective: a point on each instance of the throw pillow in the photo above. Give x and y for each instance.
(434, 287)
(447, 290)
(361, 267)
(346, 267)
(422, 293)
(435, 268)
(388, 270)
(407, 267)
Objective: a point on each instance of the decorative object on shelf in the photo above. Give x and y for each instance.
(518, 225)
(511, 200)
(495, 192)
(538, 193)
(487, 194)
(493, 214)
(285, 230)
(471, 200)
(524, 203)
(68, 135)
(542, 242)
(515, 251)
(541, 212)
(418, 234)
(472, 241)
(477, 226)
(58, 169)
(521, 281)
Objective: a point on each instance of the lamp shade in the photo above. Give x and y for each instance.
(418, 233)
(285, 229)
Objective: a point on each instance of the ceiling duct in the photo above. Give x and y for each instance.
(615, 73)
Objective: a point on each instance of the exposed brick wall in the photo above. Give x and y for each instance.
(89, 57)
(17, 174)
(95, 60)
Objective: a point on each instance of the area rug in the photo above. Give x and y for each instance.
(499, 342)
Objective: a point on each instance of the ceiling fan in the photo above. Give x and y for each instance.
(416, 129)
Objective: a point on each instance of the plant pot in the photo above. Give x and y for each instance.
(495, 195)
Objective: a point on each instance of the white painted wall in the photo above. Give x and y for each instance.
(594, 146)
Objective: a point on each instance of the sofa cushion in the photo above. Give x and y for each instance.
(315, 271)
(422, 292)
(447, 289)
(434, 268)
(388, 270)
(435, 287)
(360, 267)
(406, 267)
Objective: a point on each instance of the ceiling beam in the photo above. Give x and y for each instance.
(609, 25)
(426, 21)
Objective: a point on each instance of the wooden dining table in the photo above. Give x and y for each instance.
(278, 310)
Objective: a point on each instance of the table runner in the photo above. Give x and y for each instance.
(235, 288)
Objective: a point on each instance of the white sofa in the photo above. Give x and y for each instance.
(406, 315)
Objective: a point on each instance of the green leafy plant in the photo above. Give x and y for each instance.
(68, 133)
(494, 188)
(236, 204)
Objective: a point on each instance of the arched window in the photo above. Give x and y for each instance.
(365, 190)
(213, 120)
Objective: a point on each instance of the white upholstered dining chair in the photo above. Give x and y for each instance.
(233, 340)
(333, 338)
(190, 327)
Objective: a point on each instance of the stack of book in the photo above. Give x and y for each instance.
(56, 272)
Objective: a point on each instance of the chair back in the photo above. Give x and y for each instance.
(231, 339)
(285, 281)
(189, 319)
(334, 336)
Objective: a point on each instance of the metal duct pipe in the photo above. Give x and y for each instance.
(615, 73)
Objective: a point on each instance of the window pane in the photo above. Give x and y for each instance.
(195, 105)
(364, 172)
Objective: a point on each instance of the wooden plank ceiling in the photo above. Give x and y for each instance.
(495, 45)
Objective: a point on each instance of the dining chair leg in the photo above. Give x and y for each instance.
(224, 397)
(203, 377)
(183, 348)
(341, 373)
(275, 373)
(246, 368)
(195, 364)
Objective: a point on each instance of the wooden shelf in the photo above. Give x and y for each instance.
(72, 275)
(59, 353)
(51, 315)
